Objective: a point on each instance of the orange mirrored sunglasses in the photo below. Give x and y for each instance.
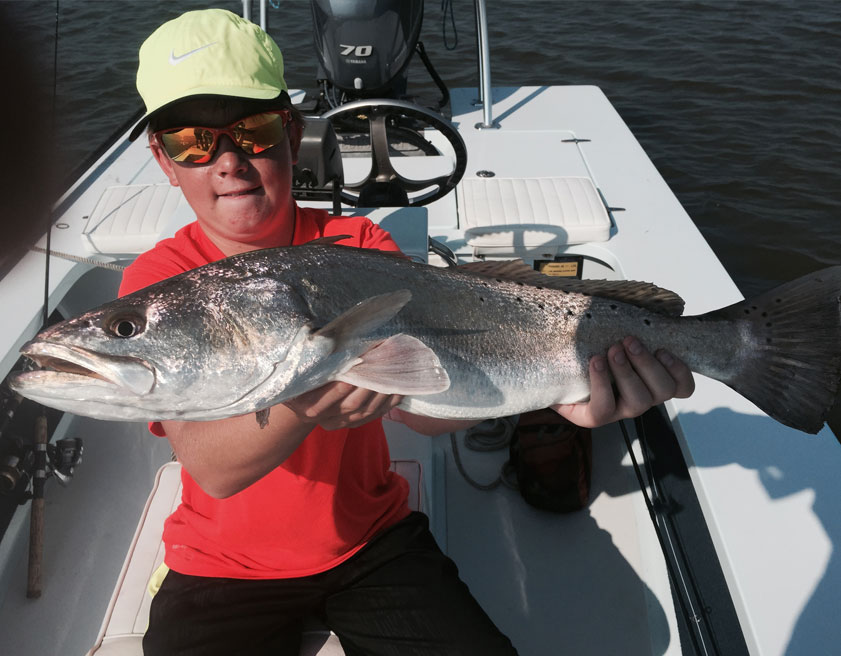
(196, 144)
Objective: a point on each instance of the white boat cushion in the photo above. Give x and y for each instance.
(131, 219)
(127, 615)
(503, 216)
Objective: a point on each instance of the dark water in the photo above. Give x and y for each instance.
(737, 103)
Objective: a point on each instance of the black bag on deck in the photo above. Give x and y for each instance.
(553, 460)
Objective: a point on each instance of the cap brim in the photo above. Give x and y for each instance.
(143, 122)
(138, 128)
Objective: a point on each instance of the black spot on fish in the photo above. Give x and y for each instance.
(540, 305)
(612, 307)
(588, 315)
(570, 313)
(646, 322)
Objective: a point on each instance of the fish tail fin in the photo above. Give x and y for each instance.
(794, 368)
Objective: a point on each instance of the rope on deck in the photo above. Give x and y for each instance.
(78, 258)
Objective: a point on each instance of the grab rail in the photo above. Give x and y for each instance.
(246, 12)
(483, 47)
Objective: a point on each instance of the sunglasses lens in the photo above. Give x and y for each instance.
(187, 144)
(253, 134)
(260, 132)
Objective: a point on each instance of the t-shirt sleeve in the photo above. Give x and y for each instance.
(147, 269)
(315, 223)
(373, 236)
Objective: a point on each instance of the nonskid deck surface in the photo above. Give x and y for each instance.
(87, 530)
(588, 582)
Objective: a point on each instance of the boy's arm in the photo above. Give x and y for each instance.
(227, 455)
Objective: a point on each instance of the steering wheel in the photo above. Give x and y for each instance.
(384, 186)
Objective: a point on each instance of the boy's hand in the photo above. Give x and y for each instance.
(642, 381)
(341, 405)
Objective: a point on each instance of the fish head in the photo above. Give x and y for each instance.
(167, 353)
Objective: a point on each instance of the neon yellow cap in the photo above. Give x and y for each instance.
(207, 52)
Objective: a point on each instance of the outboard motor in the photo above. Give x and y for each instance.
(364, 48)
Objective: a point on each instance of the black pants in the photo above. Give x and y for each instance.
(400, 596)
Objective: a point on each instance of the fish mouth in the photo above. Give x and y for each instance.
(76, 364)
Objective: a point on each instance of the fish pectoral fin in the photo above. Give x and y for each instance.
(398, 365)
(363, 318)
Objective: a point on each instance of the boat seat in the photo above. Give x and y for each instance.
(127, 615)
(131, 219)
(515, 217)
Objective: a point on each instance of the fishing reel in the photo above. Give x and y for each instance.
(16, 465)
(63, 457)
(18, 462)
(18, 457)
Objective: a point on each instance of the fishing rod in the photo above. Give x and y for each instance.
(39, 478)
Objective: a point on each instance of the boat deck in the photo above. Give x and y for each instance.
(591, 582)
(546, 579)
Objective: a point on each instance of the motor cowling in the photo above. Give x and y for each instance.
(364, 46)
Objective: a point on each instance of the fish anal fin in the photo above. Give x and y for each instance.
(400, 364)
(642, 294)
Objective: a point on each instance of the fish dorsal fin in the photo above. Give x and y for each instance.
(641, 294)
(323, 241)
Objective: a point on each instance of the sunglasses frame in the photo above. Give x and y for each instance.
(218, 132)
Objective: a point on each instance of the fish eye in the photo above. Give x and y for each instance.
(125, 326)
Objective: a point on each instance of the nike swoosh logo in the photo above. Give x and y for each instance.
(174, 59)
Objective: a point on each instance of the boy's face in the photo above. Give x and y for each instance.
(239, 199)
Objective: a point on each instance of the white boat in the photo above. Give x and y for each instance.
(553, 175)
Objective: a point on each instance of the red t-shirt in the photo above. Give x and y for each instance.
(324, 502)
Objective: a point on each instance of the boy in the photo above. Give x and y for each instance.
(301, 517)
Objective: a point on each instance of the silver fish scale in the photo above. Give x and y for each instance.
(506, 346)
